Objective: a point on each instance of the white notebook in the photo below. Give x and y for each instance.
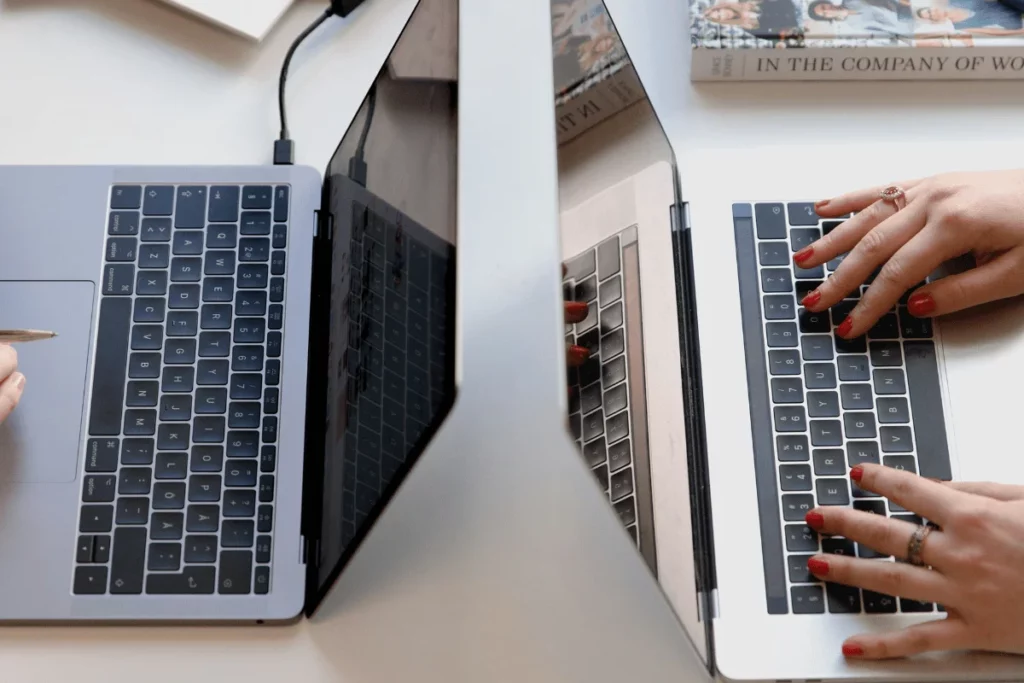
(250, 18)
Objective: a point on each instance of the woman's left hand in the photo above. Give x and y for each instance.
(976, 560)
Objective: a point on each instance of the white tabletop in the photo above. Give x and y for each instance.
(129, 81)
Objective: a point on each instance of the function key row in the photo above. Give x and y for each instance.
(190, 205)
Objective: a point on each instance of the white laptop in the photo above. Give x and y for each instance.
(715, 413)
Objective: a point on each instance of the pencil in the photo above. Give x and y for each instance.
(15, 336)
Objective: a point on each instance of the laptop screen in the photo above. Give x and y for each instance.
(386, 282)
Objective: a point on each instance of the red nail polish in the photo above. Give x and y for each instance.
(811, 299)
(815, 520)
(803, 254)
(857, 473)
(845, 328)
(852, 650)
(578, 353)
(921, 304)
(575, 308)
(817, 566)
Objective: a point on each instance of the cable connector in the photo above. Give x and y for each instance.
(357, 170)
(284, 152)
(345, 7)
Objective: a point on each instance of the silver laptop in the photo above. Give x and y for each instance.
(714, 412)
(248, 362)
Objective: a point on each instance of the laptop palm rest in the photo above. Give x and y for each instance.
(40, 441)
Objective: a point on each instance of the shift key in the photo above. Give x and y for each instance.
(110, 366)
(128, 561)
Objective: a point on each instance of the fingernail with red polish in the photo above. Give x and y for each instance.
(578, 353)
(852, 650)
(845, 328)
(856, 473)
(821, 203)
(921, 304)
(817, 566)
(815, 520)
(575, 308)
(803, 254)
(811, 299)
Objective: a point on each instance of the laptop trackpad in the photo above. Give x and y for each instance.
(41, 440)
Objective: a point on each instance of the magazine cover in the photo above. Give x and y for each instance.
(847, 30)
(593, 76)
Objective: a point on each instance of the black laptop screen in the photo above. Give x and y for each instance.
(388, 340)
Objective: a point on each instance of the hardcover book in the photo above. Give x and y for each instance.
(855, 39)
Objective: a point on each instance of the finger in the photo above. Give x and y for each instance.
(11, 390)
(8, 361)
(872, 248)
(909, 265)
(576, 356)
(889, 578)
(943, 634)
(1001, 492)
(886, 535)
(1000, 278)
(844, 237)
(926, 498)
(575, 311)
(857, 200)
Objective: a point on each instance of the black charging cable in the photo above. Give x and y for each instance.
(284, 147)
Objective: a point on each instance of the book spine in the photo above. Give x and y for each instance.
(859, 64)
(597, 103)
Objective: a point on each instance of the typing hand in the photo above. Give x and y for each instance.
(941, 218)
(12, 382)
(969, 562)
(575, 311)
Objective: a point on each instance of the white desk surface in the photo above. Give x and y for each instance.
(119, 81)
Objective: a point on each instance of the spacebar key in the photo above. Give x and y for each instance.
(192, 581)
(111, 365)
(926, 408)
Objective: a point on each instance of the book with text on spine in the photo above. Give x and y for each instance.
(775, 40)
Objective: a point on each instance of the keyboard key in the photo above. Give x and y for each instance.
(856, 396)
(239, 503)
(186, 269)
(801, 538)
(90, 580)
(281, 201)
(834, 264)
(266, 489)
(820, 376)
(798, 572)
(790, 419)
(156, 230)
(214, 344)
(140, 366)
(209, 429)
(263, 549)
(121, 248)
(212, 372)
(805, 287)
(784, 390)
(807, 600)
(832, 491)
(608, 293)
(171, 465)
(175, 408)
(158, 200)
(621, 484)
(859, 425)
(795, 506)
(139, 422)
(271, 399)
(619, 456)
(261, 580)
(126, 197)
(802, 213)
(275, 317)
(137, 451)
(853, 368)
(211, 401)
(222, 237)
(191, 581)
(164, 557)
(893, 410)
(877, 603)
(96, 519)
(861, 452)
(216, 317)
(889, 381)
(250, 358)
(147, 338)
(779, 335)
(257, 197)
(838, 546)
(101, 455)
(219, 263)
(169, 495)
(149, 310)
(240, 473)
(254, 249)
(842, 599)
(914, 328)
(803, 237)
(887, 327)
(134, 481)
(180, 351)
(816, 347)
(593, 425)
(173, 437)
(278, 262)
(237, 533)
(223, 204)
(235, 572)
(251, 303)
(131, 511)
(885, 354)
(811, 323)
(779, 307)
(249, 330)
(808, 273)
(99, 489)
(829, 462)
(875, 507)
(784, 362)
(826, 433)
(190, 208)
(151, 283)
(896, 440)
(252, 276)
(771, 221)
(914, 606)
(773, 254)
(608, 259)
(83, 553)
(792, 447)
(776, 280)
(182, 324)
(187, 243)
(277, 289)
(200, 549)
(823, 404)
(255, 223)
(248, 386)
(202, 518)
(795, 477)
(207, 458)
(614, 372)
(265, 518)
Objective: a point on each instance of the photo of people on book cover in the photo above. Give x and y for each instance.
(584, 39)
(852, 23)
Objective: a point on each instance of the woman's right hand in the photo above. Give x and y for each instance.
(12, 382)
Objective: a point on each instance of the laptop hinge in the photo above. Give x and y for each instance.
(309, 552)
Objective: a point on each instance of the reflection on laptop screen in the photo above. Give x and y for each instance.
(390, 313)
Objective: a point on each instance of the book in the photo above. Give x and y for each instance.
(855, 40)
(594, 78)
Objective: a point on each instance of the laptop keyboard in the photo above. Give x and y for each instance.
(821, 405)
(600, 402)
(178, 484)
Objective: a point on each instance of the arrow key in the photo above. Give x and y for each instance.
(91, 580)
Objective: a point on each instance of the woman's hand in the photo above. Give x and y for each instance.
(976, 557)
(945, 216)
(575, 312)
(12, 382)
